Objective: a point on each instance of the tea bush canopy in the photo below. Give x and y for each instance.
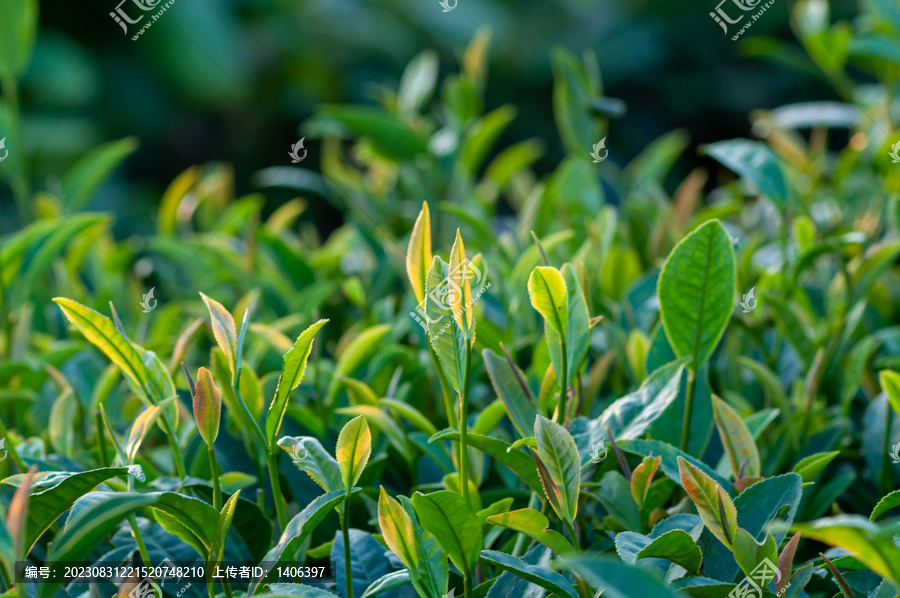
(457, 342)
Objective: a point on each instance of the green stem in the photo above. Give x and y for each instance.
(176, 450)
(139, 540)
(101, 438)
(688, 411)
(345, 531)
(467, 585)
(445, 389)
(271, 463)
(570, 529)
(235, 384)
(463, 429)
(11, 448)
(582, 586)
(277, 498)
(214, 470)
(561, 408)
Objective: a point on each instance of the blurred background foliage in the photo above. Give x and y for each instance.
(231, 80)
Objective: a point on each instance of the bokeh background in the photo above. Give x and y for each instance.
(233, 80)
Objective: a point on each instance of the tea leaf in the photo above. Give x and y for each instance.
(91, 517)
(676, 546)
(509, 384)
(389, 136)
(47, 505)
(541, 576)
(754, 161)
(713, 504)
(383, 423)
(354, 446)
(142, 426)
(697, 292)
(884, 505)
(190, 519)
(92, 169)
(18, 26)
(310, 456)
(534, 525)
(292, 369)
(418, 254)
(810, 467)
(736, 440)
(299, 528)
(749, 553)
(447, 339)
(397, 529)
(642, 477)
(359, 392)
(548, 294)
(17, 516)
(463, 308)
(354, 354)
(223, 329)
(559, 453)
(432, 573)
(757, 507)
(207, 406)
(454, 525)
(577, 328)
(367, 562)
(670, 456)
(615, 496)
(617, 579)
(223, 524)
(417, 84)
(890, 384)
(631, 416)
(101, 332)
(573, 91)
(415, 417)
(785, 563)
(504, 453)
(387, 582)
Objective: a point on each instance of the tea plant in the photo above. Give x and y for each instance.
(606, 389)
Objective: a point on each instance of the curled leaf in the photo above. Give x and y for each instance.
(207, 406)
